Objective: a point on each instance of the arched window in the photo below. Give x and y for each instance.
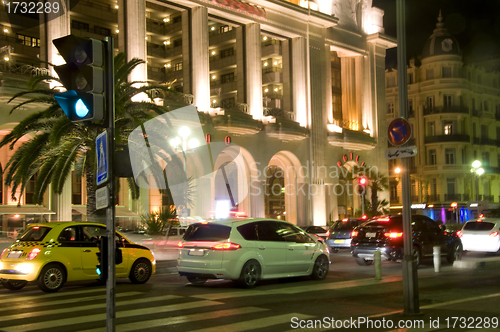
(275, 193)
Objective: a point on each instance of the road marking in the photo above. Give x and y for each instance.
(137, 326)
(101, 317)
(50, 295)
(86, 307)
(254, 324)
(299, 289)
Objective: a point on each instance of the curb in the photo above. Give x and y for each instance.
(479, 263)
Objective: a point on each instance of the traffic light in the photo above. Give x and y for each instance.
(83, 78)
(362, 183)
(102, 257)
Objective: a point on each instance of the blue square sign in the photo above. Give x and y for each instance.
(101, 147)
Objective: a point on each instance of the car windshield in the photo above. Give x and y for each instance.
(478, 226)
(36, 233)
(207, 232)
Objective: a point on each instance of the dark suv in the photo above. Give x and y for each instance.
(385, 234)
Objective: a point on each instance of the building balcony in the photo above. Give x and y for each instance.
(283, 126)
(485, 141)
(217, 63)
(446, 109)
(352, 139)
(447, 138)
(271, 77)
(433, 199)
(487, 198)
(271, 50)
(235, 120)
(456, 197)
(218, 88)
(101, 11)
(217, 37)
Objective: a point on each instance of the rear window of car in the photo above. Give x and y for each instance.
(207, 232)
(479, 226)
(36, 233)
(315, 229)
(344, 225)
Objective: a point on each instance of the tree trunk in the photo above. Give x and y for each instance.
(374, 199)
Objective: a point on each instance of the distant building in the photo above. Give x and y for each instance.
(298, 85)
(454, 110)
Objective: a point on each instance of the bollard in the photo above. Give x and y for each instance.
(437, 258)
(377, 261)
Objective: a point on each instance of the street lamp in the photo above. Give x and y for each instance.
(183, 143)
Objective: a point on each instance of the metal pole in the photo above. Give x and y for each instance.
(410, 277)
(110, 211)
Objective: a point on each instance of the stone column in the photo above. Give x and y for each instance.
(61, 203)
(257, 204)
(287, 76)
(53, 26)
(199, 58)
(254, 70)
(132, 36)
(299, 82)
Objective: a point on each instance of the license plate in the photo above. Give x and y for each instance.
(371, 234)
(338, 241)
(196, 252)
(14, 254)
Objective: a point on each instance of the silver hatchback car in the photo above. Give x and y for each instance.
(248, 250)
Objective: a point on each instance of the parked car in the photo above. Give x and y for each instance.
(54, 253)
(340, 233)
(385, 234)
(481, 235)
(248, 250)
(319, 231)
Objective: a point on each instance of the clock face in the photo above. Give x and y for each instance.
(447, 45)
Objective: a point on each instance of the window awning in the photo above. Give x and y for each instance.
(24, 209)
(120, 211)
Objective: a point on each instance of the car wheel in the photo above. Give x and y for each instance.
(417, 255)
(13, 284)
(140, 272)
(321, 267)
(363, 261)
(250, 274)
(196, 280)
(455, 254)
(52, 278)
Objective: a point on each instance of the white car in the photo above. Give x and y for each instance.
(481, 235)
(248, 250)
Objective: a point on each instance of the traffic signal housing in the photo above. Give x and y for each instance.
(83, 77)
(362, 183)
(102, 258)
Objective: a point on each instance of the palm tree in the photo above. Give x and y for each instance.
(377, 182)
(55, 145)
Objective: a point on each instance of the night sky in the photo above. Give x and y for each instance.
(475, 23)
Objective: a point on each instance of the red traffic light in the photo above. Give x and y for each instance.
(362, 181)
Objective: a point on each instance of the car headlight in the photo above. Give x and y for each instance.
(25, 268)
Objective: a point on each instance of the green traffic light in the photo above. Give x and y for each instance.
(80, 109)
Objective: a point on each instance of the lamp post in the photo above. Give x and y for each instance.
(183, 143)
(477, 170)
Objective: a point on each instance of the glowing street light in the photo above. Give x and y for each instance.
(478, 171)
(183, 143)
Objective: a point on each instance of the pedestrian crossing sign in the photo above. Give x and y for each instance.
(101, 147)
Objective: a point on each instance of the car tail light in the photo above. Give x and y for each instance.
(493, 234)
(383, 219)
(180, 244)
(3, 252)
(459, 233)
(393, 235)
(33, 253)
(327, 233)
(226, 246)
(354, 233)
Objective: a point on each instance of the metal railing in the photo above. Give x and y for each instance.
(447, 138)
(446, 109)
(23, 70)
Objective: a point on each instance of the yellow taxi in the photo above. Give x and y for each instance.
(55, 252)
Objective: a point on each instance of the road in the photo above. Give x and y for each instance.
(350, 292)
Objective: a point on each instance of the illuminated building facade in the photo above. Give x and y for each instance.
(454, 110)
(298, 85)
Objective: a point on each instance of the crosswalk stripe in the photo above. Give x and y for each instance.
(139, 326)
(298, 289)
(87, 307)
(102, 317)
(254, 324)
(42, 295)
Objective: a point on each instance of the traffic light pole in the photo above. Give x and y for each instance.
(110, 210)
(410, 276)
